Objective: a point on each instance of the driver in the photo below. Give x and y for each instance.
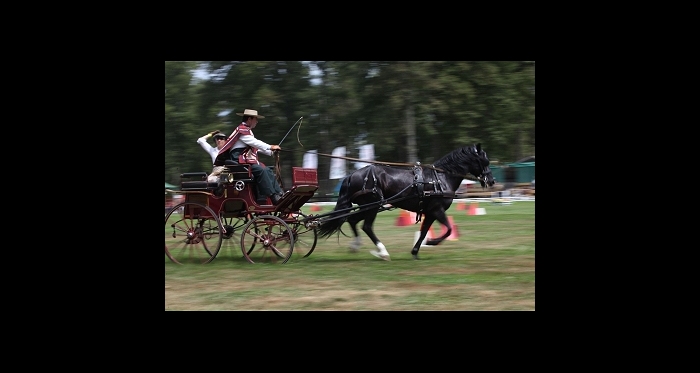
(245, 149)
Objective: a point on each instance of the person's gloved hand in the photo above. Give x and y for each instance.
(212, 133)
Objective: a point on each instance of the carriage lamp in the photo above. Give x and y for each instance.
(226, 178)
(312, 223)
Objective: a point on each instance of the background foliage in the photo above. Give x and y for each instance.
(411, 111)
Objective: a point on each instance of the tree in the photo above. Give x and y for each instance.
(410, 110)
(181, 130)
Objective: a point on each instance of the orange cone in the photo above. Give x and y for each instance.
(315, 208)
(472, 208)
(404, 219)
(461, 206)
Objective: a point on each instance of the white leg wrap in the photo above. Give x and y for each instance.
(382, 248)
(382, 253)
(355, 244)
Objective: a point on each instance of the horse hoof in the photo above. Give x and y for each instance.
(380, 256)
(415, 257)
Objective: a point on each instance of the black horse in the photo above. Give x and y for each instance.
(426, 190)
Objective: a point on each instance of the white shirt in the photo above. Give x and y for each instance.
(245, 140)
(212, 150)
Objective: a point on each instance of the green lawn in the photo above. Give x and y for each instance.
(490, 266)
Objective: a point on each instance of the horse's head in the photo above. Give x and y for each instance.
(483, 172)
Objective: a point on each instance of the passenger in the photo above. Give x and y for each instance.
(245, 150)
(220, 140)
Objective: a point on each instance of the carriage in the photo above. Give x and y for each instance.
(220, 216)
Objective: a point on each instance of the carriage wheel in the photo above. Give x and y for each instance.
(192, 233)
(232, 237)
(304, 239)
(267, 239)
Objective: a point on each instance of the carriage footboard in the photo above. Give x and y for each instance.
(197, 185)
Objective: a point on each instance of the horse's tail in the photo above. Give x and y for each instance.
(330, 224)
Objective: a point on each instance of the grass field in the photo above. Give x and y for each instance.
(491, 266)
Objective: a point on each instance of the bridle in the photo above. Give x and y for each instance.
(485, 170)
(483, 179)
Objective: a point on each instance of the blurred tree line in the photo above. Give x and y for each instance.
(411, 111)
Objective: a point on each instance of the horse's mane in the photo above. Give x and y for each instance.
(457, 161)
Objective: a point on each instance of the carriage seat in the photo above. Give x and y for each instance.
(239, 171)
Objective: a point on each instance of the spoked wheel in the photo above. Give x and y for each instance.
(193, 233)
(267, 239)
(232, 237)
(304, 239)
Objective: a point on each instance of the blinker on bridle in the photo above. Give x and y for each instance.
(482, 177)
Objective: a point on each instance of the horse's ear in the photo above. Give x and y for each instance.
(478, 148)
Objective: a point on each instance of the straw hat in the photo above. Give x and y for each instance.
(250, 113)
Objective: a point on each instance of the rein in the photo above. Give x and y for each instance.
(278, 167)
(467, 176)
(300, 121)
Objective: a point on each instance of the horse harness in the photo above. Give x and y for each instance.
(374, 190)
(419, 182)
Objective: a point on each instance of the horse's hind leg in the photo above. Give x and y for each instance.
(442, 218)
(367, 228)
(355, 244)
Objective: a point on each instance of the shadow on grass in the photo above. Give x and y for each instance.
(359, 258)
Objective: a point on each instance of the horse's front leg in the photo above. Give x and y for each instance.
(427, 222)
